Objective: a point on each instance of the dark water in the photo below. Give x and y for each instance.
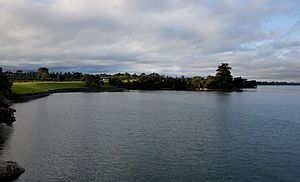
(158, 136)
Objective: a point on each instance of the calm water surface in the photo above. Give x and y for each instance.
(158, 136)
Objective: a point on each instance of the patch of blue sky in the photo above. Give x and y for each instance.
(256, 44)
(281, 23)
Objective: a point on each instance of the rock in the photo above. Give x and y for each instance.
(7, 115)
(10, 170)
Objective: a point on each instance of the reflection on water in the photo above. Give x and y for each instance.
(158, 136)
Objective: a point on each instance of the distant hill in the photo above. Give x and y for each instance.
(276, 83)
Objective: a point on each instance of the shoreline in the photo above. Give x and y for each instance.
(36, 95)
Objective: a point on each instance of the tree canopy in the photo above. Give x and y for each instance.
(92, 81)
(5, 85)
(224, 77)
(223, 80)
(6, 113)
(43, 73)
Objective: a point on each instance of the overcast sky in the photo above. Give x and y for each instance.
(260, 39)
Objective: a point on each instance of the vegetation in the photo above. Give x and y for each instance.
(5, 85)
(224, 77)
(92, 81)
(6, 113)
(25, 76)
(223, 80)
(42, 73)
(116, 81)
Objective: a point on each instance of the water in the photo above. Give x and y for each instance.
(158, 136)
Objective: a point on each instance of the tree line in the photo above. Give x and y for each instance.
(42, 74)
(222, 80)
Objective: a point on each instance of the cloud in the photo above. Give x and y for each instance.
(166, 36)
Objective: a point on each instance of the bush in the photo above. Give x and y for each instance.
(92, 81)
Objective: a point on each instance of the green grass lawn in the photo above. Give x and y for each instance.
(32, 87)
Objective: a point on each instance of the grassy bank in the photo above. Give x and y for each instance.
(38, 87)
(35, 87)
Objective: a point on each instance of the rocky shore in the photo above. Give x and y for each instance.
(10, 170)
(6, 112)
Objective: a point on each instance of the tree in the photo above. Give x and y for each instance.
(42, 73)
(6, 113)
(224, 77)
(115, 81)
(92, 81)
(126, 77)
(61, 78)
(197, 83)
(239, 82)
(19, 73)
(5, 85)
(211, 82)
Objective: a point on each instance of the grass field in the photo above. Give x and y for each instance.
(32, 87)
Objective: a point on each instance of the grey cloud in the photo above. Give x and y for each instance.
(168, 36)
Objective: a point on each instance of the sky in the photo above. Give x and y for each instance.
(260, 39)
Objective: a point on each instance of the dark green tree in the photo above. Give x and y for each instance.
(211, 82)
(197, 83)
(239, 82)
(19, 73)
(5, 85)
(61, 77)
(42, 73)
(224, 77)
(115, 81)
(6, 113)
(92, 81)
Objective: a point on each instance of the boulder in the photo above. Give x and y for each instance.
(7, 115)
(10, 170)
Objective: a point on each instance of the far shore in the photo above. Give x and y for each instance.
(36, 95)
(27, 91)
